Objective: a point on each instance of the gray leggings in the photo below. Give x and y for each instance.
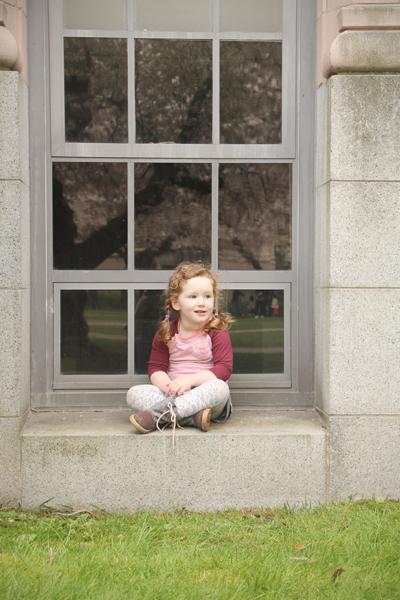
(211, 394)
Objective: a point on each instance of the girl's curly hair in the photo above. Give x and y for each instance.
(179, 277)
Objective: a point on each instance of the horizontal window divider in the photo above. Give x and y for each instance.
(181, 160)
(96, 33)
(167, 150)
(159, 279)
(127, 381)
(174, 35)
(115, 399)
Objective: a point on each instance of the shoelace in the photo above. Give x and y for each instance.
(173, 423)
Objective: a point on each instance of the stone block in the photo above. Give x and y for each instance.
(10, 460)
(322, 348)
(364, 457)
(322, 150)
(14, 240)
(14, 352)
(14, 129)
(365, 127)
(321, 237)
(258, 458)
(363, 242)
(357, 335)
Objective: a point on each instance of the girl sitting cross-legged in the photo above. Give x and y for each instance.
(191, 358)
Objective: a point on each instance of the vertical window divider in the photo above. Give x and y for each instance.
(214, 215)
(215, 70)
(131, 89)
(131, 215)
(131, 331)
(216, 94)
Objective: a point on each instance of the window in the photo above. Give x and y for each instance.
(174, 135)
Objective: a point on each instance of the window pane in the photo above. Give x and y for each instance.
(96, 101)
(257, 336)
(90, 215)
(148, 314)
(173, 80)
(94, 14)
(172, 214)
(251, 92)
(254, 15)
(255, 216)
(174, 15)
(94, 331)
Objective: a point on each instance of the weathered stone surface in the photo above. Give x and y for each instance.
(9, 459)
(14, 239)
(365, 125)
(364, 457)
(322, 151)
(365, 51)
(370, 17)
(14, 352)
(357, 351)
(358, 235)
(258, 458)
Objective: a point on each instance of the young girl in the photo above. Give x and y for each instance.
(191, 358)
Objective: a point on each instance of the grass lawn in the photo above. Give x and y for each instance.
(349, 551)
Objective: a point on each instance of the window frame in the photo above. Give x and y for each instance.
(46, 148)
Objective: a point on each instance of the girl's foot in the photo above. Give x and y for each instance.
(143, 421)
(202, 419)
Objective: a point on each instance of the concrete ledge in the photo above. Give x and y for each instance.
(260, 457)
(370, 17)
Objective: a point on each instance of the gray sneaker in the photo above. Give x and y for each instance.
(202, 419)
(143, 421)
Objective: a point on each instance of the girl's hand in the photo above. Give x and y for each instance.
(179, 386)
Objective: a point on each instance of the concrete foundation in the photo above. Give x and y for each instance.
(258, 458)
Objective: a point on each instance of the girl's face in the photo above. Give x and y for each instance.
(195, 303)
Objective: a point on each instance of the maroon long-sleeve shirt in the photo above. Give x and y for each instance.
(221, 350)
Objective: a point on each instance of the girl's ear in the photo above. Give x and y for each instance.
(175, 305)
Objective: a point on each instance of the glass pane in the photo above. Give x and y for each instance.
(252, 15)
(94, 331)
(96, 100)
(173, 80)
(174, 15)
(172, 214)
(148, 314)
(255, 216)
(94, 14)
(257, 336)
(90, 215)
(251, 92)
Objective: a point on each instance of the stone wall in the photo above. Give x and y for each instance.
(357, 228)
(14, 253)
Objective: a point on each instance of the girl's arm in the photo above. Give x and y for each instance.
(182, 385)
(161, 380)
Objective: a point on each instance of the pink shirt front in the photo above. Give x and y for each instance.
(189, 355)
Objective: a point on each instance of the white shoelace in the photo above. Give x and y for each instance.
(173, 423)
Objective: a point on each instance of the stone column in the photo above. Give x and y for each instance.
(14, 247)
(357, 327)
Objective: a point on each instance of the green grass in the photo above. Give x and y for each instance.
(350, 551)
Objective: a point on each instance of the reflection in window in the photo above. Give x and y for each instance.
(174, 15)
(254, 15)
(94, 331)
(257, 336)
(251, 92)
(172, 214)
(255, 216)
(94, 14)
(173, 88)
(90, 215)
(96, 101)
(149, 307)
